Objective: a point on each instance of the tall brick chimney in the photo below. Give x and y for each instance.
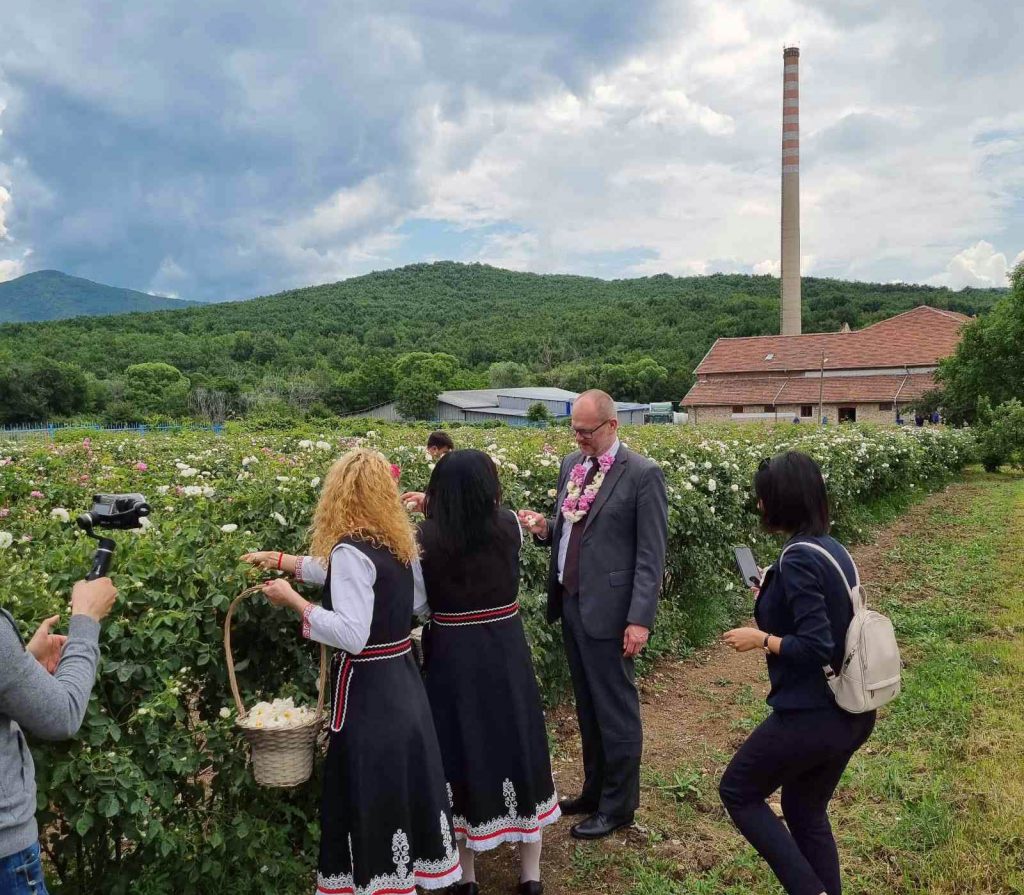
(790, 322)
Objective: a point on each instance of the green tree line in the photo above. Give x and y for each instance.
(406, 334)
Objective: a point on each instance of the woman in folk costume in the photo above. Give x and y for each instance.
(479, 674)
(386, 822)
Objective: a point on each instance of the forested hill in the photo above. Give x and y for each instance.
(52, 295)
(337, 344)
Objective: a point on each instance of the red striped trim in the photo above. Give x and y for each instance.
(512, 829)
(376, 652)
(485, 615)
(341, 694)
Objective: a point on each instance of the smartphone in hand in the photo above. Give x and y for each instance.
(747, 566)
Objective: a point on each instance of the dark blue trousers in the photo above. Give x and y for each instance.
(804, 753)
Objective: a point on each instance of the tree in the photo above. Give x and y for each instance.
(1000, 434)
(155, 388)
(538, 413)
(989, 361)
(416, 397)
(508, 374)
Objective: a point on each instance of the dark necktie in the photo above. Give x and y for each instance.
(571, 569)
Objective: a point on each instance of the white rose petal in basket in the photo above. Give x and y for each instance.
(280, 714)
(282, 736)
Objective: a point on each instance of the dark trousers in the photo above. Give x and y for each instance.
(804, 752)
(608, 710)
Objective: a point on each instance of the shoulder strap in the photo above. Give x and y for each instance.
(856, 594)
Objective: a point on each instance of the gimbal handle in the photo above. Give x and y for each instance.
(101, 559)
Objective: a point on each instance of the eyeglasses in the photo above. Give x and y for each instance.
(588, 433)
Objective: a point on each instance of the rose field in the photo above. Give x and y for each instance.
(155, 794)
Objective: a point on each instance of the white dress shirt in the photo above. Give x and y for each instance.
(563, 543)
(346, 625)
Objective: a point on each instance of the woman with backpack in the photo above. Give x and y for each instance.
(803, 611)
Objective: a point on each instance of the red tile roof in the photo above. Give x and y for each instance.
(916, 338)
(723, 391)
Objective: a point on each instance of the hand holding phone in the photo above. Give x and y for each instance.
(747, 566)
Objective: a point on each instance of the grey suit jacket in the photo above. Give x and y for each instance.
(622, 555)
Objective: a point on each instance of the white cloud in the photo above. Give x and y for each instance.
(5, 198)
(11, 269)
(979, 265)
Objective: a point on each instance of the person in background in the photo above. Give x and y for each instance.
(802, 610)
(45, 686)
(438, 444)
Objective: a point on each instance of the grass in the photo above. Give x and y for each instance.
(935, 801)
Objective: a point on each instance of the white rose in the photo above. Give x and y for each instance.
(734, 488)
(6, 539)
(712, 484)
(163, 489)
(314, 482)
(225, 712)
(323, 445)
(208, 491)
(280, 519)
(229, 528)
(552, 492)
(60, 513)
(305, 444)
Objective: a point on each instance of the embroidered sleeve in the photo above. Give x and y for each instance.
(306, 630)
(310, 570)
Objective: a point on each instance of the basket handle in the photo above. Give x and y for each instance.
(321, 684)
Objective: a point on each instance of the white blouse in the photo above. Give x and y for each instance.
(347, 625)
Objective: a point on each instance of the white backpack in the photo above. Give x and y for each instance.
(870, 674)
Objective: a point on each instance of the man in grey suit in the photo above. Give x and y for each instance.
(606, 573)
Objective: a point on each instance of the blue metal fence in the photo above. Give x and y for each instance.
(49, 430)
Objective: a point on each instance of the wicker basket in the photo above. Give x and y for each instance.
(280, 756)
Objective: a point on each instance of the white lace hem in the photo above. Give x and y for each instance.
(426, 875)
(508, 828)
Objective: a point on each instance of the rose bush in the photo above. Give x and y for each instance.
(154, 796)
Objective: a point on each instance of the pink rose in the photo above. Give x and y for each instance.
(4, 511)
(38, 495)
(141, 467)
(396, 472)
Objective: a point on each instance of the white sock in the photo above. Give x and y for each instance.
(529, 861)
(467, 858)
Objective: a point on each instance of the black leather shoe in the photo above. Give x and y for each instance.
(530, 887)
(464, 889)
(599, 825)
(577, 806)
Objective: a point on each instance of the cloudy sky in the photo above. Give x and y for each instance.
(228, 148)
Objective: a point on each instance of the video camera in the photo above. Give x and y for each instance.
(113, 511)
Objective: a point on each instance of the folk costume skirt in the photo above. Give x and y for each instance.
(490, 724)
(385, 816)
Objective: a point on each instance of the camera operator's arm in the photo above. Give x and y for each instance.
(52, 707)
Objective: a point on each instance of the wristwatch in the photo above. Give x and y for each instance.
(764, 645)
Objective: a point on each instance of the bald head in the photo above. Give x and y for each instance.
(595, 422)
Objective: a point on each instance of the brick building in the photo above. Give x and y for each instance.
(864, 375)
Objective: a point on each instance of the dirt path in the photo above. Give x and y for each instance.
(695, 712)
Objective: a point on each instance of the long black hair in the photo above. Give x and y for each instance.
(463, 499)
(792, 493)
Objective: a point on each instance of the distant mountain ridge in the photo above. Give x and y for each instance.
(52, 295)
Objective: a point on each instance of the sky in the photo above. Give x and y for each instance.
(228, 149)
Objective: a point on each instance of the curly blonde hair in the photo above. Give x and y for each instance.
(360, 499)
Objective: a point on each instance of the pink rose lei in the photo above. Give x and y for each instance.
(578, 499)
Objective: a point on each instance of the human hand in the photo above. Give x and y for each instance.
(281, 593)
(634, 640)
(47, 647)
(534, 523)
(264, 559)
(744, 639)
(413, 501)
(93, 598)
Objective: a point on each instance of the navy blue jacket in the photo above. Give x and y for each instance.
(807, 604)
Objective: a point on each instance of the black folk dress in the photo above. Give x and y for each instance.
(385, 815)
(483, 693)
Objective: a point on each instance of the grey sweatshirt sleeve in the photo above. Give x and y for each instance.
(50, 707)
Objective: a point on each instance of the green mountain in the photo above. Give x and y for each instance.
(336, 346)
(52, 295)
